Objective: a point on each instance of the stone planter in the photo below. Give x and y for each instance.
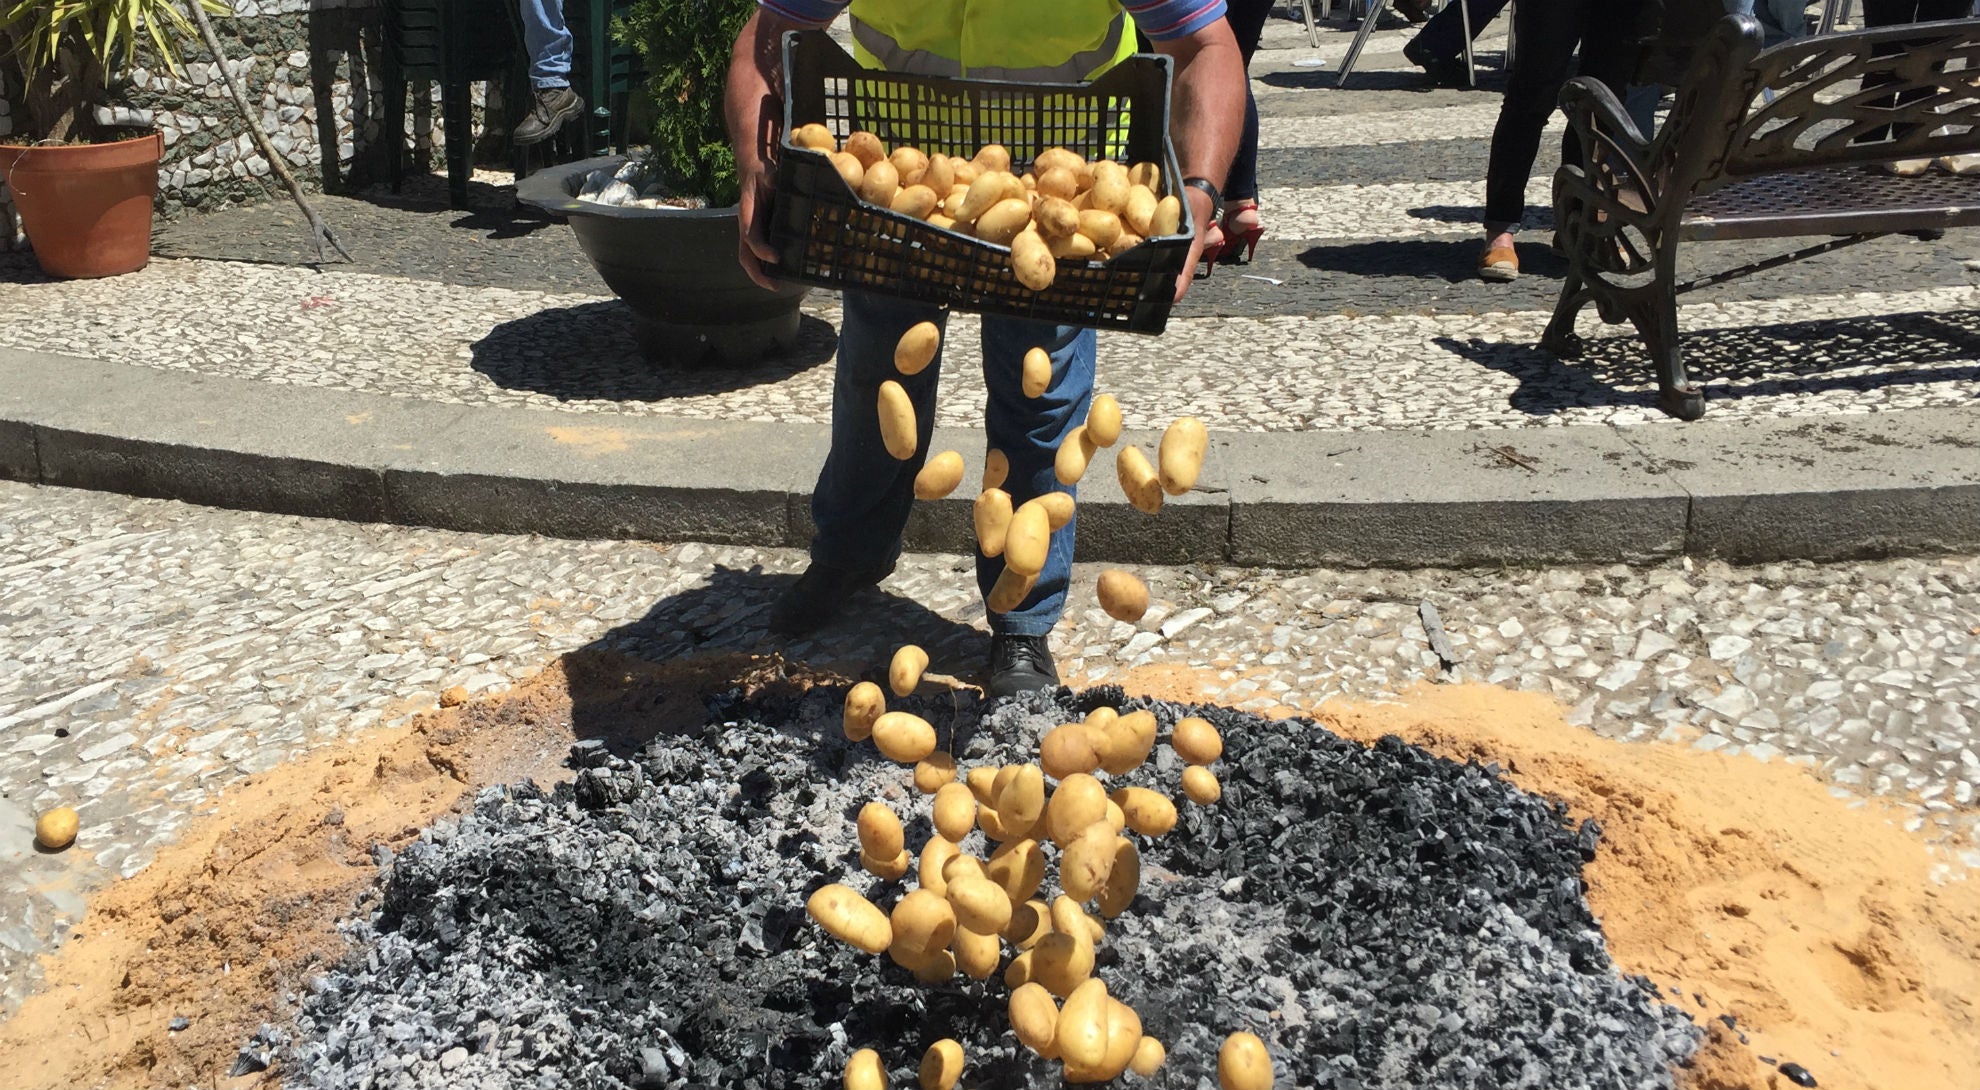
(676, 269)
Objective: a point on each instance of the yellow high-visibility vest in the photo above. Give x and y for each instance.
(1028, 41)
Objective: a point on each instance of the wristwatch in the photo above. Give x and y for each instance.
(1216, 198)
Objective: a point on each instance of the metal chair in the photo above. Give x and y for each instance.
(1375, 10)
(1833, 12)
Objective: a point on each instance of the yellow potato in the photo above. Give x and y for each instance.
(976, 954)
(1018, 973)
(934, 856)
(1123, 1037)
(904, 737)
(1030, 922)
(1148, 174)
(1058, 159)
(1196, 741)
(880, 833)
(1075, 452)
(1138, 211)
(1181, 454)
(1023, 799)
(882, 181)
(1200, 785)
(864, 1071)
(1031, 261)
(1059, 184)
(897, 424)
(1019, 867)
(1001, 222)
(848, 916)
(941, 174)
(1149, 813)
(993, 520)
(1138, 480)
(1148, 1057)
(864, 704)
(1030, 180)
(1082, 1030)
(981, 780)
(934, 771)
(1034, 1016)
(980, 905)
(56, 828)
(904, 673)
(1068, 917)
(1056, 217)
(942, 1065)
(1061, 961)
(1058, 508)
(1100, 717)
(988, 190)
(941, 220)
(1028, 540)
(1167, 219)
(1243, 1063)
(996, 468)
(1123, 596)
(910, 162)
(849, 168)
(1009, 592)
(1109, 192)
(1070, 749)
(962, 866)
(966, 172)
(1076, 803)
(1123, 880)
(918, 201)
(952, 206)
(1116, 818)
(917, 347)
(935, 967)
(1130, 739)
(865, 147)
(993, 157)
(1086, 861)
(1108, 168)
(1125, 241)
(1103, 420)
(1036, 377)
(923, 922)
(1101, 226)
(1074, 247)
(814, 136)
(955, 811)
(892, 868)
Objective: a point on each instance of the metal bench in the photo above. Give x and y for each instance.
(1734, 161)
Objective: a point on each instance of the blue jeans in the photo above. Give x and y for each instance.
(861, 503)
(548, 41)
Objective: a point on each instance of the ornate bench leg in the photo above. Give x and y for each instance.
(1559, 337)
(1653, 310)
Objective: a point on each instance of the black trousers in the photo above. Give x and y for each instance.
(1247, 20)
(1878, 13)
(1549, 33)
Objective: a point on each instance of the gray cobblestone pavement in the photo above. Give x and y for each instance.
(152, 653)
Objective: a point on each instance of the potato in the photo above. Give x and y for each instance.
(934, 856)
(1103, 420)
(1036, 377)
(864, 704)
(1075, 452)
(942, 1065)
(1030, 922)
(940, 175)
(954, 812)
(1058, 507)
(1201, 786)
(1064, 159)
(904, 673)
(1116, 818)
(56, 828)
(1059, 184)
(993, 520)
(987, 191)
(917, 347)
(993, 157)
(892, 868)
(1124, 597)
(962, 866)
(1028, 540)
(882, 181)
(904, 737)
(1102, 717)
(1023, 799)
(814, 136)
(1071, 919)
(977, 955)
(1109, 192)
(1081, 1033)
(864, 1071)
(981, 780)
(848, 916)
(996, 468)
(917, 201)
(897, 426)
(1034, 1016)
(934, 771)
(1084, 865)
(1130, 739)
(952, 206)
(941, 220)
(1196, 741)
(1102, 227)
(1148, 174)
(1123, 880)
(1074, 247)
(880, 833)
(908, 162)
(923, 922)
(1138, 480)
(1076, 803)
(1243, 1063)
(928, 967)
(1125, 241)
(1019, 867)
(1167, 219)
(980, 905)
(1031, 261)
(1139, 209)
(849, 168)
(1056, 217)
(966, 172)
(1001, 222)
(1029, 180)
(1071, 749)
(1149, 813)
(1181, 454)
(865, 147)
(1148, 1057)
(1123, 1037)
(1060, 961)
(1018, 973)
(1009, 592)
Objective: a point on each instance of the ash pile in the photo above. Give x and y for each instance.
(1381, 917)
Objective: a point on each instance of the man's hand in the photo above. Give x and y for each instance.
(755, 110)
(1209, 115)
(1199, 211)
(754, 251)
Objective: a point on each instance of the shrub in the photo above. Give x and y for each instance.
(686, 46)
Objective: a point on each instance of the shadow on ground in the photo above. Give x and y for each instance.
(589, 351)
(1452, 260)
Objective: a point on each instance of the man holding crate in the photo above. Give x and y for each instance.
(863, 495)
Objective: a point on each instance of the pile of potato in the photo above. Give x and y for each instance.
(1063, 208)
(971, 915)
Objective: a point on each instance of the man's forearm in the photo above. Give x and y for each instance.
(1208, 103)
(753, 98)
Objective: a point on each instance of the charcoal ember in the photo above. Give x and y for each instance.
(1381, 917)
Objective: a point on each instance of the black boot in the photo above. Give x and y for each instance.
(1020, 664)
(819, 596)
(550, 109)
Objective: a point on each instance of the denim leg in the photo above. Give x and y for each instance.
(1028, 430)
(548, 41)
(861, 502)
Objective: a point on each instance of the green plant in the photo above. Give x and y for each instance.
(65, 54)
(686, 46)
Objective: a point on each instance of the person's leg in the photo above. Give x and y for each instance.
(1548, 31)
(1443, 36)
(553, 104)
(1247, 21)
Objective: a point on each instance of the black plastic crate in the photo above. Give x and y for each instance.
(826, 235)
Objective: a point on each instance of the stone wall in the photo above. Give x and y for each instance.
(314, 67)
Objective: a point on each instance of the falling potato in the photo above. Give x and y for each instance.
(1181, 454)
(848, 916)
(56, 829)
(1149, 813)
(904, 737)
(1196, 741)
(1139, 481)
(1034, 1016)
(992, 514)
(996, 468)
(864, 704)
(1200, 785)
(1074, 453)
(864, 1071)
(1103, 420)
(1123, 596)
(942, 1064)
(1036, 376)
(1009, 592)
(917, 347)
(897, 423)
(1243, 1063)
(1148, 1057)
(1082, 1029)
(1028, 540)
(934, 771)
(955, 812)
(904, 672)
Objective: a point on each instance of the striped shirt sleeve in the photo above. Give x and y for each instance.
(1167, 20)
(808, 13)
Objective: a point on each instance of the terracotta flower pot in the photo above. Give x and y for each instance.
(86, 207)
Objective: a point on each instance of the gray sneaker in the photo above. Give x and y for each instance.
(551, 109)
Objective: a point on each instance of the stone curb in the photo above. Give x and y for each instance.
(1815, 488)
